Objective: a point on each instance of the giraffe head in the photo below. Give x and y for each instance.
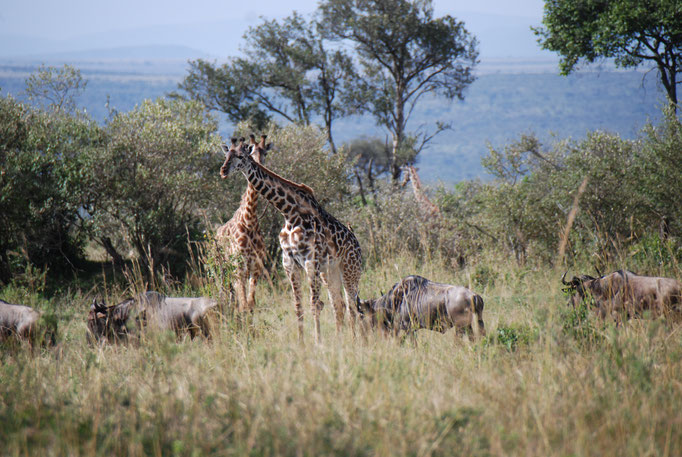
(407, 174)
(259, 150)
(236, 157)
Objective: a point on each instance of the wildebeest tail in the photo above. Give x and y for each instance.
(478, 304)
(478, 308)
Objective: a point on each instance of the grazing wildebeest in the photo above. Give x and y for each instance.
(150, 309)
(21, 322)
(415, 302)
(626, 293)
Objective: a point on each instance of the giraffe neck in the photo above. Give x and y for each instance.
(419, 193)
(248, 206)
(289, 200)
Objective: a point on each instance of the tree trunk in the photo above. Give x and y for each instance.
(362, 190)
(111, 250)
(398, 134)
(668, 78)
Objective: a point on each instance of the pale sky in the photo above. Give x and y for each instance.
(193, 23)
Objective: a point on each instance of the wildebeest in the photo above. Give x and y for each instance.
(152, 309)
(415, 302)
(21, 322)
(624, 293)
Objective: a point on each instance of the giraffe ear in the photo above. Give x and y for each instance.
(224, 148)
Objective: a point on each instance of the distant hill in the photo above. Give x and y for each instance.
(151, 52)
(510, 97)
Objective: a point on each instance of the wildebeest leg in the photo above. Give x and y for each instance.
(412, 333)
(294, 275)
(205, 328)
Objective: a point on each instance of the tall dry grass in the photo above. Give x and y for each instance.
(541, 384)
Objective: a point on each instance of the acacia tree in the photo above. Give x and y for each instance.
(404, 53)
(55, 88)
(629, 31)
(222, 88)
(287, 71)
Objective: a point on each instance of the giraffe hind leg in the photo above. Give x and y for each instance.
(351, 278)
(332, 279)
(312, 269)
(294, 274)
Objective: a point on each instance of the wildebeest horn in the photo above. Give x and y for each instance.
(99, 307)
(563, 279)
(598, 272)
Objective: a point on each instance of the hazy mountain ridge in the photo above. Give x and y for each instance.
(510, 97)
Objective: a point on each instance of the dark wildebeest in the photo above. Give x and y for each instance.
(150, 309)
(415, 302)
(626, 293)
(22, 322)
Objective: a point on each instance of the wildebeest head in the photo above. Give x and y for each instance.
(579, 287)
(109, 321)
(377, 309)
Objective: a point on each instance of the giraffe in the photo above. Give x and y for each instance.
(428, 208)
(431, 214)
(241, 236)
(312, 240)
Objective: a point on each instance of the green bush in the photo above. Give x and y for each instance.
(44, 157)
(512, 336)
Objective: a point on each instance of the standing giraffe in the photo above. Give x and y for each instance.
(428, 208)
(312, 240)
(241, 236)
(432, 216)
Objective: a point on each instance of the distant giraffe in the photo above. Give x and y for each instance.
(312, 240)
(241, 236)
(433, 218)
(427, 207)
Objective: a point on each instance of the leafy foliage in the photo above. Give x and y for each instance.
(56, 89)
(150, 183)
(288, 71)
(630, 31)
(44, 158)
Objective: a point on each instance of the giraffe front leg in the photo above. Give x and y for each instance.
(251, 299)
(312, 269)
(294, 275)
(240, 289)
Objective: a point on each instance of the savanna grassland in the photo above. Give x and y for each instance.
(90, 210)
(545, 381)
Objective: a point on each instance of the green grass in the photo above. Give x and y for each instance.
(535, 386)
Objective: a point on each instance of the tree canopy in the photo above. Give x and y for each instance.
(287, 71)
(631, 32)
(404, 53)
